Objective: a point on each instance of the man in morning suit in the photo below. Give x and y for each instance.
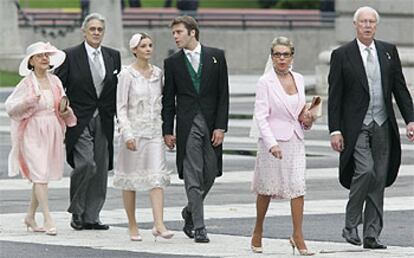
(364, 75)
(196, 94)
(89, 75)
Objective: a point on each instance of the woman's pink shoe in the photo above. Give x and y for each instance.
(32, 226)
(166, 234)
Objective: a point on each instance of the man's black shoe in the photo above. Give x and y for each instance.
(188, 223)
(76, 222)
(351, 236)
(200, 236)
(372, 243)
(95, 226)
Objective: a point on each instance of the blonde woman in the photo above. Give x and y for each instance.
(280, 162)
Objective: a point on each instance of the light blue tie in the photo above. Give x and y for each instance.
(97, 72)
(371, 65)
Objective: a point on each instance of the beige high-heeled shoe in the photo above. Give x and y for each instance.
(256, 249)
(302, 252)
(32, 226)
(51, 231)
(166, 234)
(135, 236)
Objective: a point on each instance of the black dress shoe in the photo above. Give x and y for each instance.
(200, 236)
(95, 226)
(372, 243)
(351, 236)
(76, 222)
(188, 223)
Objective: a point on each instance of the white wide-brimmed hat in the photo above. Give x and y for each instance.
(56, 56)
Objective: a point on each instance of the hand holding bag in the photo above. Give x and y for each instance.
(314, 107)
(63, 104)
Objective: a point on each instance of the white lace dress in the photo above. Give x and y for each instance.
(285, 178)
(139, 118)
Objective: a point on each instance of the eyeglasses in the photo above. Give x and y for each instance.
(280, 54)
(99, 29)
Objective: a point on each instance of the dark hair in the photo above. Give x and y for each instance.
(143, 36)
(31, 67)
(189, 23)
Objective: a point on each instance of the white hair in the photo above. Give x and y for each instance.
(93, 16)
(366, 8)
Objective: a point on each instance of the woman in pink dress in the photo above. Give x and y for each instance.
(280, 162)
(39, 115)
(141, 163)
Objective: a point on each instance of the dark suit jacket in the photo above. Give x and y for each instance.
(77, 80)
(181, 100)
(349, 100)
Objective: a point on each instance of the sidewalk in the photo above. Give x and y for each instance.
(222, 245)
(229, 246)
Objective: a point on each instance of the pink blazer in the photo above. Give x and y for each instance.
(275, 118)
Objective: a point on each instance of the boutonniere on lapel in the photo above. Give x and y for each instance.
(214, 60)
(388, 55)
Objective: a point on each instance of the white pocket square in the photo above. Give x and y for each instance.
(115, 72)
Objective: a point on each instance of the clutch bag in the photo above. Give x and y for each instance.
(63, 104)
(315, 107)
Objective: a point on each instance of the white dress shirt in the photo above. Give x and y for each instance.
(364, 53)
(194, 55)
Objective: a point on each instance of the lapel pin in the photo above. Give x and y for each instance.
(388, 56)
(214, 60)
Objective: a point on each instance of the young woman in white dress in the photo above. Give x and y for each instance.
(141, 162)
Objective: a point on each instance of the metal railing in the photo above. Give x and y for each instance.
(215, 18)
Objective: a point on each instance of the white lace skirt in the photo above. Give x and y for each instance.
(281, 179)
(143, 169)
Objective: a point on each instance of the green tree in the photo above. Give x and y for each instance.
(267, 3)
(298, 4)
